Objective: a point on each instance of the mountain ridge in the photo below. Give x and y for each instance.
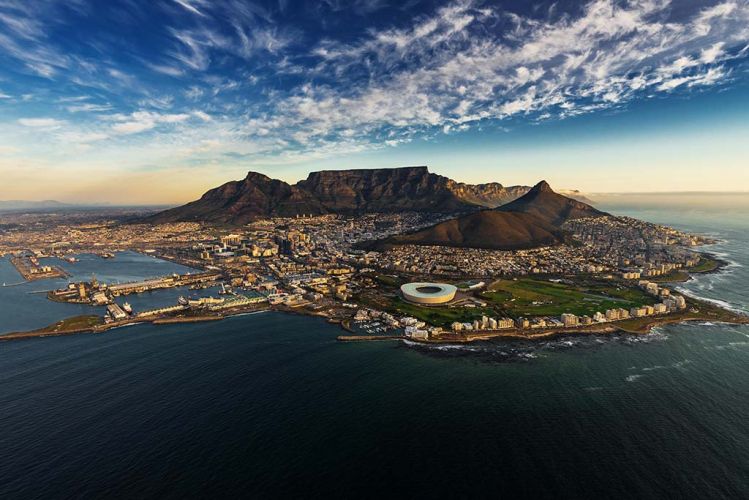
(346, 192)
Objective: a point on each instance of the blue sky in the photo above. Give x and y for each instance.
(155, 101)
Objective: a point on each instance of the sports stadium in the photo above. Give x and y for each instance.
(428, 293)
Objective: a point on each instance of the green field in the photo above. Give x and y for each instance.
(676, 276)
(74, 323)
(532, 297)
(706, 265)
(440, 315)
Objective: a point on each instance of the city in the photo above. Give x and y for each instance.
(314, 265)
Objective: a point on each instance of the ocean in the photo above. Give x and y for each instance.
(270, 405)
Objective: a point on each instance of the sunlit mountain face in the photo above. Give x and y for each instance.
(178, 95)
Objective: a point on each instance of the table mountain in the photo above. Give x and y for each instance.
(340, 192)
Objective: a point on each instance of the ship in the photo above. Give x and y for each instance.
(127, 308)
(182, 301)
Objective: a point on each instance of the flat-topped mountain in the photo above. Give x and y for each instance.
(531, 221)
(340, 192)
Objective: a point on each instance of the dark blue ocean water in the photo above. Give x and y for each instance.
(270, 405)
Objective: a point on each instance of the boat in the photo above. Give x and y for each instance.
(182, 301)
(127, 308)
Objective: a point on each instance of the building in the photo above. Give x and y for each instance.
(428, 293)
(570, 320)
(505, 323)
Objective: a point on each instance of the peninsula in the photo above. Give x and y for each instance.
(344, 245)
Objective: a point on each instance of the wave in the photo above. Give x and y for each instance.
(652, 368)
(718, 302)
(246, 314)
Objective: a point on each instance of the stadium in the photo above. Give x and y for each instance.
(428, 293)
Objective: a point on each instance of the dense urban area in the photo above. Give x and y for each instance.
(610, 273)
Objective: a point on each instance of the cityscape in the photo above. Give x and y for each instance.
(319, 265)
(322, 249)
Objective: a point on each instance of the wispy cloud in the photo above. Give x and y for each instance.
(140, 121)
(453, 69)
(41, 122)
(253, 86)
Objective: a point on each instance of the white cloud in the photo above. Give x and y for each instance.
(82, 137)
(166, 69)
(202, 115)
(457, 68)
(88, 108)
(190, 5)
(465, 63)
(41, 122)
(140, 121)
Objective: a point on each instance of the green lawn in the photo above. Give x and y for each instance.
(532, 297)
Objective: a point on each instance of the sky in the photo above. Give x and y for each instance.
(156, 101)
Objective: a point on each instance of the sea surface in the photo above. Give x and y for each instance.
(24, 305)
(272, 406)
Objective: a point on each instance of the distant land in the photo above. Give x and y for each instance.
(533, 220)
(27, 204)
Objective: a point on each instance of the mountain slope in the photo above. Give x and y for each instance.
(531, 221)
(485, 229)
(552, 207)
(341, 192)
(239, 202)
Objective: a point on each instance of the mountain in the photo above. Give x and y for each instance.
(489, 229)
(239, 202)
(552, 207)
(531, 221)
(30, 205)
(340, 192)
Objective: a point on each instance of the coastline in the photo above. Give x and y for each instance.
(50, 331)
(709, 311)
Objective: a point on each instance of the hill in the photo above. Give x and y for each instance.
(531, 221)
(340, 192)
(552, 207)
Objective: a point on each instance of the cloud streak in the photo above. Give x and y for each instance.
(231, 79)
